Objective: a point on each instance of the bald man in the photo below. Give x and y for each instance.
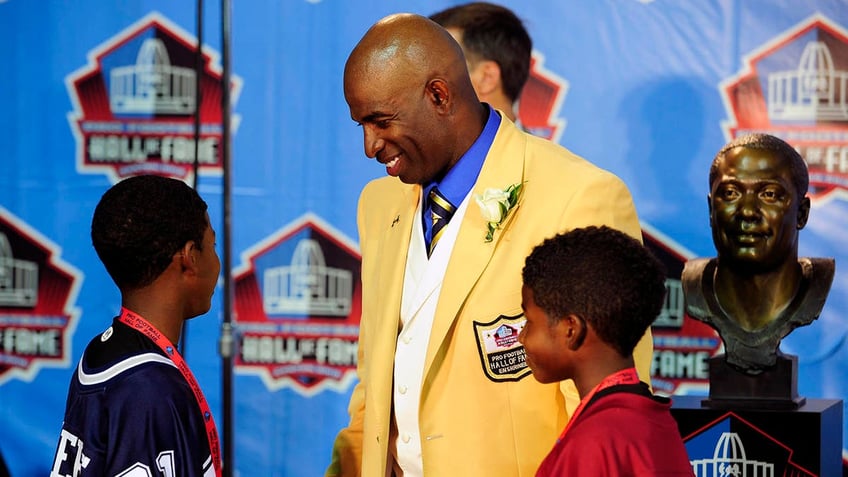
(444, 389)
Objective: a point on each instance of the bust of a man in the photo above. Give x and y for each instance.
(757, 290)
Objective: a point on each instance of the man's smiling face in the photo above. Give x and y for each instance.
(401, 124)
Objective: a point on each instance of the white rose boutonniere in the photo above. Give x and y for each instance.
(495, 205)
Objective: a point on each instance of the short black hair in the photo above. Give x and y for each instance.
(767, 142)
(492, 32)
(602, 275)
(141, 222)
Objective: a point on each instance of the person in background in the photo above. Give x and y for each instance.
(133, 404)
(497, 50)
(443, 385)
(589, 295)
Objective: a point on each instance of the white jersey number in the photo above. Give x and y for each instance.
(164, 461)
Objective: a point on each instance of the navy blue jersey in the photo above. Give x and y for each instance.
(130, 413)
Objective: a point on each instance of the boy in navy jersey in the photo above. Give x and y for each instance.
(588, 296)
(134, 408)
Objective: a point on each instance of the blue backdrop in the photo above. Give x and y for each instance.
(649, 89)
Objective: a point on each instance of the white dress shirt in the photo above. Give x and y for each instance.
(422, 284)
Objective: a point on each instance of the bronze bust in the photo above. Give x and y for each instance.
(757, 290)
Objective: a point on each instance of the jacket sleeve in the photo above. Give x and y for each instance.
(346, 459)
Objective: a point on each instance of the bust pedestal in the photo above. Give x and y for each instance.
(775, 388)
(757, 425)
(806, 441)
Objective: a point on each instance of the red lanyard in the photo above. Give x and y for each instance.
(140, 324)
(625, 376)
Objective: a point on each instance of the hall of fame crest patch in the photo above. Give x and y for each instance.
(502, 356)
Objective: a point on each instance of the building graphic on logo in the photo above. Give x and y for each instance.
(18, 278)
(682, 345)
(541, 99)
(298, 302)
(806, 105)
(815, 91)
(37, 295)
(506, 336)
(152, 84)
(308, 286)
(729, 459)
(729, 445)
(135, 104)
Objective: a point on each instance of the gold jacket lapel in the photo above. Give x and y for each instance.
(471, 254)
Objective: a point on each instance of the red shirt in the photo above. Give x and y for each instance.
(621, 430)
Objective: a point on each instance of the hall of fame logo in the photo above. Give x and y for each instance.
(682, 344)
(541, 99)
(298, 303)
(795, 87)
(135, 104)
(501, 354)
(731, 446)
(38, 292)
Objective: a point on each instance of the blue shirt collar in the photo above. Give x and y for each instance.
(459, 180)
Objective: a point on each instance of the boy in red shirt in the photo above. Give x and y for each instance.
(588, 297)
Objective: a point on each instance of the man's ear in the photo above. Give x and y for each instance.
(803, 213)
(438, 93)
(487, 78)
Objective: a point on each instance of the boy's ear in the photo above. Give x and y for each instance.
(186, 256)
(575, 331)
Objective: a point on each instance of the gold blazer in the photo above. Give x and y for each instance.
(472, 424)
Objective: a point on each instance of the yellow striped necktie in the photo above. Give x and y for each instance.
(441, 210)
